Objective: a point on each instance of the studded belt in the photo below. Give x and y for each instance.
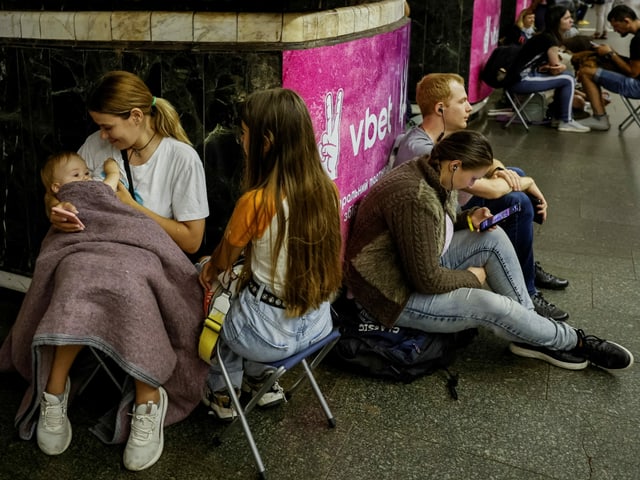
(266, 297)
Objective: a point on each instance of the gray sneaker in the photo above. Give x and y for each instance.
(54, 428)
(600, 123)
(572, 126)
(146, 439)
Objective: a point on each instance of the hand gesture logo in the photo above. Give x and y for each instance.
(329, 145)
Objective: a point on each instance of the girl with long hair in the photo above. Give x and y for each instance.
(287, 225)
(538, 67)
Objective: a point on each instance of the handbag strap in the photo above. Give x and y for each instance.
(127, 169)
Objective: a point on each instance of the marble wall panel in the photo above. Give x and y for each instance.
(440, 39)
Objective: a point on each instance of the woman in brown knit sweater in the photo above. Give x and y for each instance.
(412, 261)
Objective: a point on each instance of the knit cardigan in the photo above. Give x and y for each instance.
(397, 240)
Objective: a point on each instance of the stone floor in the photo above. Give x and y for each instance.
(515, 418)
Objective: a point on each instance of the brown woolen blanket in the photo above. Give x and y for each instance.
(121, 286)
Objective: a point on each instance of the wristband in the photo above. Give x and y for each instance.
(471, 227)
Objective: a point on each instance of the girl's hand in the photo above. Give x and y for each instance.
(557, 69)
(123, 195)
(478, 216)
(62, 222)
(207, 275)
(480, 273)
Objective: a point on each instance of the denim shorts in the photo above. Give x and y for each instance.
(618, 83)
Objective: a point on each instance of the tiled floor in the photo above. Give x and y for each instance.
(515, 418)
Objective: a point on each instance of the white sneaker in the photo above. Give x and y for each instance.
(272, 397)
(573, 126)
(54, 428)
(146, 439)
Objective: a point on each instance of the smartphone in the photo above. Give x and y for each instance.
(70, 216)
(499, 217)
(537, 216)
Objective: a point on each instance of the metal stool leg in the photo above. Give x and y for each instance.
(634, 114)
(241, 416)
(518, 108)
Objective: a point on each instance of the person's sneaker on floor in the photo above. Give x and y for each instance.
(603, 353)
(563, 359)
(54, 428)
(146, 439)
(274, 396)
(572, 126)
(220, 404)
(597, 122)
(544, 279)
(547, 309)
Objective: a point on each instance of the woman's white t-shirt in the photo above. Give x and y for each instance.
(171, 183)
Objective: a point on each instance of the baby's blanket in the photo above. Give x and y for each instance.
(121, 286)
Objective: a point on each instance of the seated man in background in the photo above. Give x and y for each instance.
(625, 81)
(445, 109)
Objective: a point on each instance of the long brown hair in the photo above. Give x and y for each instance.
(290, 167)
(118, 92)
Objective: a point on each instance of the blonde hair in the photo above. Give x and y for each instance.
(290, 168)
(118, 92)
(55, 161)
(434, 88)
(523, 13)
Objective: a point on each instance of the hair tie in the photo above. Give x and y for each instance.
(153, 102)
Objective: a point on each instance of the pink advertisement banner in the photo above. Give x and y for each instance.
(485, 34)
(356, 94)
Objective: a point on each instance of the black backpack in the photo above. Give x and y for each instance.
(401, 354)
(495, 72)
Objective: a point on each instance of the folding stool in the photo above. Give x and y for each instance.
(322, 347)
(634, 114)
(518, 108)
(98, 356)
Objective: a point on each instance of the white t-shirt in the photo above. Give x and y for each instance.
(171, 183)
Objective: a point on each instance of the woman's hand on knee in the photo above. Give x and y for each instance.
(480, 273)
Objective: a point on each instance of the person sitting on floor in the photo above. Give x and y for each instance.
(412, 260)
(445, 109)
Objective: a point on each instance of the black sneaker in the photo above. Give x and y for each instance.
(569, 360)
(544, 279)
(547, 309)
(603, 353)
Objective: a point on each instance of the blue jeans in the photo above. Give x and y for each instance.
(618, 83)
(518, 227)
(506, 310)
(254, 331)
(563, 84)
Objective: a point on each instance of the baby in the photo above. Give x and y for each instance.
(66, 167)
